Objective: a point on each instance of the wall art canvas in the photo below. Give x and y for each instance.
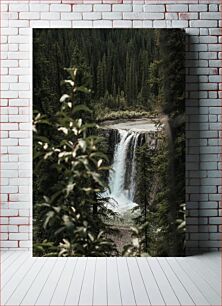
(108, 142)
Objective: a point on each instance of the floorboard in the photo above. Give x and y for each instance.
(28, 280)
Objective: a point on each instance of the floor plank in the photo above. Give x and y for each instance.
(213, 279)
(190, 286)
(11, 261)
(113, 285)
(126, 289)
(61, 291)
(86, 294)
(208, 292)
(139, 288)
(100, 283)
(152, 287)
(47, 292)
(11, 286)
(23, 287)
(13, 269)
(166, 289)
(180, 291)
(75, 285)
(37, 286)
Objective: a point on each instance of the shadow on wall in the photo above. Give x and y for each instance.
(193, 171)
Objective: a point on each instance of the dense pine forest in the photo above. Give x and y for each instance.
(82, 80)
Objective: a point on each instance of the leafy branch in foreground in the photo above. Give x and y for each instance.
(68, 218)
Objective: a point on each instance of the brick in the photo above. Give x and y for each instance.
(102, 7)
(203, 23)
(29, 15)
(39, 7)
(60, 8)
(60, 24)
(102, 24)
(92, 16)
(154, 8)
(82, 8)
(137, 8)
(198, 7)
(121, 7)
(20, 7)
(122, 24)
(134, 15)
(71, 16)
(9, 244)
(177, 8)
(208, 16)
(82, 24)
(112, 15)
(180, 23)
(18, 236)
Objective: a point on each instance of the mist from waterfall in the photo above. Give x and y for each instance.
(123, 197)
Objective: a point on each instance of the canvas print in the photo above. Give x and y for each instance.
(108, 142)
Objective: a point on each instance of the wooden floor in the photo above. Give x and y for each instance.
(110, 281)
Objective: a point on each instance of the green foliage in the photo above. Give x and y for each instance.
(69, 218)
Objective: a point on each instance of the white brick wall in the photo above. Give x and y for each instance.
(200, 18)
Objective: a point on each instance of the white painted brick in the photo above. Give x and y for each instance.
(122, 7)
(154, 8)
(102, 7)
(51, 16)
(25, 244)
(82, 24)
(4, 7)
(9, 212)
(60, 24)
(37, 7)
(122, 24)
(19, 102)
(137, 23)
(213, 7)
(19, 118)
(162, 23)
(198, 7)
(171, 16)
(71, 16)
(9, 244)
(18, 23)
(203, 23)
(82, 8)
(92, 15)
(29, 15)
(134, 15)
(24, 229)
(9, 63)
(39, 24)
(177, 8)
(18, 236)
(9, 31)
(9, 189)
(60, 8)
(137, 7)
(112, 15)
(19, 7)
(179, 23)
(13, 47)
(207, 15)
(102, 24)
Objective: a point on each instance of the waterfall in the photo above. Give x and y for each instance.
(118, 173)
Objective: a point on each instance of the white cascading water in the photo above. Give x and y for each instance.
(123, 199)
